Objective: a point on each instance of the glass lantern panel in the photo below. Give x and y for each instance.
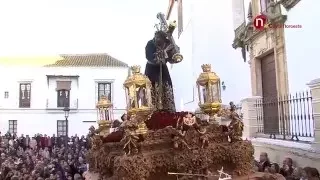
(149, 98)
(215, 92)
(131, 97)
(219, 91)
(206, 94)
(106, 114)
(100, 114)
(142, 96)
(128, 98)
(200, 94)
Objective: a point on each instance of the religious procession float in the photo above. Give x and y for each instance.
(156, 143)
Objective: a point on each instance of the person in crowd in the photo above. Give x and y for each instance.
(33, 143)
(263, 162)
(42, 158)
(310, 173)
(315, 175)
(275, 168)
(124, 117)
(287, 171)
(116, 125)
(296, 174)
(287, 167)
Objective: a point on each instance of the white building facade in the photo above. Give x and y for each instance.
(301, 44)
(204, 34)
(33, 98)
(282, 62)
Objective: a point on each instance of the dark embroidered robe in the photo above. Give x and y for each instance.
(152, 71)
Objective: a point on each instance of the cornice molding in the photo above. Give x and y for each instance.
(289, 4)
(247, 34)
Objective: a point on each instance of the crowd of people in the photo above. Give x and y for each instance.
(287, 170)
(42, 157)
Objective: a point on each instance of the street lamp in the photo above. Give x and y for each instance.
(66, 110)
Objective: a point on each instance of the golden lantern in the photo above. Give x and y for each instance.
(209, 92)
(138, 96)
(104, 113)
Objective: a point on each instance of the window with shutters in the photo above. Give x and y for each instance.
(61, 128)
(104, 89)
(63, 98)
(13, 126)
(25, 95)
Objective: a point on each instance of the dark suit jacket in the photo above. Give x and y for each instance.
(262, 166)
(286, 173)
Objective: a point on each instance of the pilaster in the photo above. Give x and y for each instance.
(315, 93)
(250, 116)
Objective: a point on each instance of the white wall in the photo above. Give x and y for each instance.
(207, 39)
(302, 44)
(39, 118)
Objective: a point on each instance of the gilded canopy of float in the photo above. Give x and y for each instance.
(138, 91)
(209, 90)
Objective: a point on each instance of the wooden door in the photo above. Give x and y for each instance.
(270, 95)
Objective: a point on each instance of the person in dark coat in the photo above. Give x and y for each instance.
(264, 162)
(158, 53)
(53, 140)
(287, 167)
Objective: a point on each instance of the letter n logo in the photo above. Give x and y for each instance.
(259, 22)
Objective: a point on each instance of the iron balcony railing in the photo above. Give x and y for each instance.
(287, 115)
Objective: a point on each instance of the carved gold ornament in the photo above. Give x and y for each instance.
(207, 76)
(104, 102)
(137, 78)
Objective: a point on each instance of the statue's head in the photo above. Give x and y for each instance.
(160, 37)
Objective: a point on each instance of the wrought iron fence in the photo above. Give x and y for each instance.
(288, 115)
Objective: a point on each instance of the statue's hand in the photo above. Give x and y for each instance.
(168, 48)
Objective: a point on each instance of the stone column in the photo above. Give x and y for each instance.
(315, 93)
(250, 117)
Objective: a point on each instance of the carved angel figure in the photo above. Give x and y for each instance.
(130, 138)
(204, 139)
(179, 140)
(179, 137)
(236, 125)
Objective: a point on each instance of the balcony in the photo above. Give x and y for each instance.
(51, 104)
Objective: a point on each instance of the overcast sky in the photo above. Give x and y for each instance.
(120, 28)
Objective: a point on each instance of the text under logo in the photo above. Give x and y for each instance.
(261, 22)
